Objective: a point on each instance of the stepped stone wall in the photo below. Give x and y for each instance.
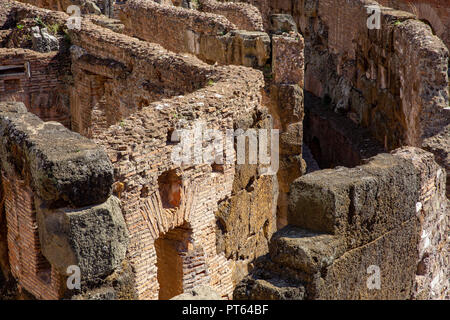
(389, 214)
(175, 227)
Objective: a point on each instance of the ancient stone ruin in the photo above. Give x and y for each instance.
(98, 97)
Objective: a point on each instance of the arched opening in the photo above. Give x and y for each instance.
(170, 250)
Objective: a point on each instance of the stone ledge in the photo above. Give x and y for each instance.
(63, 167)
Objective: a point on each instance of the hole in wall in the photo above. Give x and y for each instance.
(218, 168)
(44, 269)
(173, 136)
(13, 70)
(170, 189)
(334, 139)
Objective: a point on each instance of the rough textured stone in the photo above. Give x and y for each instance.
(243, 15)
(199, 293)
(95, 238)
(361, 203)
(409, 251)
(43, 41)
(268, 289)
(63, 166)
(129, 95)
(304, 250)
(439, 145)
(281, 23)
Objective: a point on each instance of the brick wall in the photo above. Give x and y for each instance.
(28, 265)
(138, 147)
(40, 85)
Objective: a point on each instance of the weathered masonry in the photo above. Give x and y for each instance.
(89, 121)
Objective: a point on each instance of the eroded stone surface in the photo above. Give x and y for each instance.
(128, 82)
(95, 238)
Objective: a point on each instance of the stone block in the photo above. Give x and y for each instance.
(94, 238)
(304, 250)
(287, 59)
(64, 168)
(361, 203)
(199, 293)
(280, 23)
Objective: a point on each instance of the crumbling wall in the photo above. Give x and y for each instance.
(433, 212)
(56, 186)
(37, 80)
(394, 80)
(433, 12)
(210, 37)
(389, 215)
(375, 73)
(138, 143)
(110, 83)
(249, 49)
(242, 15)
(264, 7)
(140, 148)
(287, 100)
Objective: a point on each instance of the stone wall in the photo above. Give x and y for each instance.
(433, 212)
(111, 84)
(242, 15)
(436, 13)
(374, 86)
(130, 96)
(210, 37)
(38, 80)
(397, 111)
(264, 7)
(55, 186)
(287, 100)
(388, 215)
(394, 81)
(140, 148)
